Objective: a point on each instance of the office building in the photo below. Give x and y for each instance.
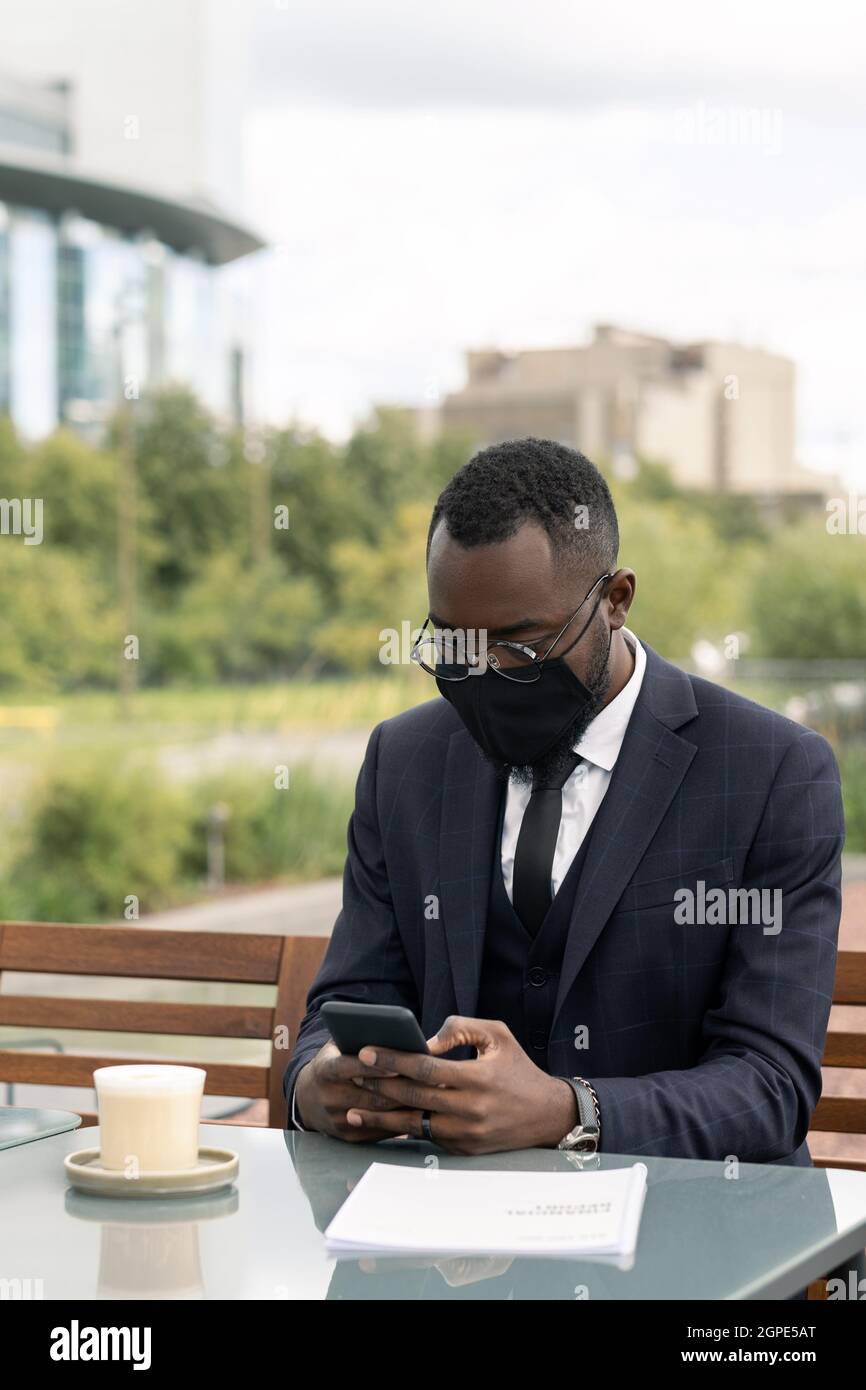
(123, 262)
(719, 415)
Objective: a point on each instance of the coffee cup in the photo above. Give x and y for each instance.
(149, 1116)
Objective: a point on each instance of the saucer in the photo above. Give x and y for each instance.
(215, 1168)
(159, 1210)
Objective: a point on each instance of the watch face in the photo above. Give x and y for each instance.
(582, 1139)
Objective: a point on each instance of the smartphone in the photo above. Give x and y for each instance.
(353, 1026)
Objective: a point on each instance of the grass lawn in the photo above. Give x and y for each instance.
(34, 733)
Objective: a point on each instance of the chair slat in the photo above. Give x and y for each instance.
(51, 1069)
(858, 1164)
(233, 957)
(840, 1114)
(850, 986)
(123, 1016)
(845, 1050)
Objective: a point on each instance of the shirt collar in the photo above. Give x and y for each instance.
(602, 741)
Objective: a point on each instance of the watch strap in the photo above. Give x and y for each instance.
(588, 1118)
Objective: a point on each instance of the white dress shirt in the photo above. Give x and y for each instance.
(584, 791)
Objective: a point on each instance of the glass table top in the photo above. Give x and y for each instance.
(708, 1230)
(20, 1125)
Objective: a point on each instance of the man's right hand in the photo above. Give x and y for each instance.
(325, 1091)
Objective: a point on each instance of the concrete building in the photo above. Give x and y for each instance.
(721, 416)
(123, 262)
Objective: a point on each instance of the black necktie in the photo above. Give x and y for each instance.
(536, 846)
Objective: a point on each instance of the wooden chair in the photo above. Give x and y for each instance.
(287, 962)
(843, 1114)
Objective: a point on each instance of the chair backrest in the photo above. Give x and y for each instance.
(289, 963)
(845, 1114)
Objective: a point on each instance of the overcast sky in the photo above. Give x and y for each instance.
(442, 175)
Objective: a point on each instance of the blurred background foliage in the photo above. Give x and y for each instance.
(224, 593)
(251, 625)
(94, 834)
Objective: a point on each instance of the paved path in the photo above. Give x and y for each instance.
(307, 909)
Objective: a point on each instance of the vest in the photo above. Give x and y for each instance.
(519, 973)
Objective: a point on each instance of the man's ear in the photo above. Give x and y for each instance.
(620, 596)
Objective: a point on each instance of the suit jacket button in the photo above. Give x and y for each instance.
(537, 976)
(539, 1039)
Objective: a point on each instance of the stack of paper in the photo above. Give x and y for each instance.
(452, 1211)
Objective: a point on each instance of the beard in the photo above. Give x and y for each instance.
(561, 756)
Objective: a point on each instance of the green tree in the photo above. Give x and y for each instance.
(93, 836)
(57, 625)
(324, 500)
(379, 587)
(393, 466)
(807, 596)
(236, 621)
(79, 486)
(687, 585)
(192, 483)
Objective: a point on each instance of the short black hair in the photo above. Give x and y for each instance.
(504, 485)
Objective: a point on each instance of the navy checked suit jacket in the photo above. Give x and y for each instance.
(701, 1041)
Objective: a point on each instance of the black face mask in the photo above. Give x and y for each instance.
(519, 722)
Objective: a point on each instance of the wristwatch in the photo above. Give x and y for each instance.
(584, 1138)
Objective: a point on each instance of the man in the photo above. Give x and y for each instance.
(609, 891)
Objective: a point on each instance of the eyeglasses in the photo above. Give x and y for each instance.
(447, 655)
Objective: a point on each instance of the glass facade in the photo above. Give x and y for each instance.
(88, 314)
(31, 320)
(100, 317)
(35, 116)
(5, 398)
(32, 133)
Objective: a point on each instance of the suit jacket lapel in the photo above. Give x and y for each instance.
(651, 765)
(467, 856)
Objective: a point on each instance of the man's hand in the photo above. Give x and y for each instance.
(324, 1092)
(499, 1100)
